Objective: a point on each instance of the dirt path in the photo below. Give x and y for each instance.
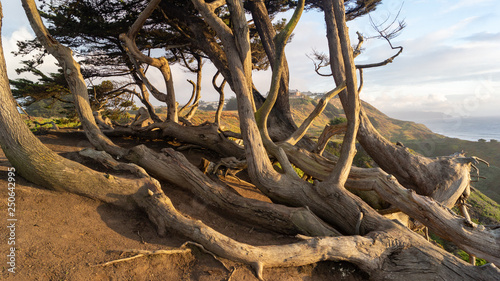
(62, 236)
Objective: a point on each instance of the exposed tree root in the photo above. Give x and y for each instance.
(174, 167)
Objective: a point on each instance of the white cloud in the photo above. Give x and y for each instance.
(13, 62)
(9, 45)
(465, 4)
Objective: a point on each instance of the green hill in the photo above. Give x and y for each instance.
(393, 129)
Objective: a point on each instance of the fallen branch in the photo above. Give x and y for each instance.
(144, 253)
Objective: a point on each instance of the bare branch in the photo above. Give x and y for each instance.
(220, 90)
(144, 253)
(345, 70)
(207, 11)
(325, 136)
(361, 81)
(74, 77)
(161, 63)
(320, 107)
(280, 41)
(361, 40)
(324, 61)
(386, 33)
(193, 93)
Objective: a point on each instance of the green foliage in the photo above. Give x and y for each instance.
(50, 97)
(450, 247)
(363, 160)
(484, 208)
(67, 122)
(333, 147)
(337, 120)
(300, 173)
(260, 60)
(464, 256)
(46, 108)
(51, 86)
(231, 104)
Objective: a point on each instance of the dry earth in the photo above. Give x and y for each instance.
(62, 236)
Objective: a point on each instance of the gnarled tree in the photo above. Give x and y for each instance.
(339, 225)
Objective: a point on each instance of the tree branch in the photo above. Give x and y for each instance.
(474, 239)
(161, 63)
(220, 90)
(320, 107)
(340, 172)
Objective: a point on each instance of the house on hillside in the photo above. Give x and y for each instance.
(296, 94)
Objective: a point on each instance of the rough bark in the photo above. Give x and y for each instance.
(74, 77)
(281, 120)
(473, 238)
(370, 253)
(285, 188)
(173, 167)
(38, 164)
(205, 135)
(281, 124)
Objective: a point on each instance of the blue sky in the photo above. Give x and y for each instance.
(450, 62)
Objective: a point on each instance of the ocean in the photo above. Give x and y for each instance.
(465, 128)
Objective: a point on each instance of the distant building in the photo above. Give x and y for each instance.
(296, 94)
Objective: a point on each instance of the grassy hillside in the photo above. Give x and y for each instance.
(393, 129)
(489, 151)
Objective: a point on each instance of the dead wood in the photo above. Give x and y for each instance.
(103, 123)
(142, 117)
(328, 132)
(473, 238)
(144, 253)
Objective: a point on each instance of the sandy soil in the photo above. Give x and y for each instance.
(62, 236)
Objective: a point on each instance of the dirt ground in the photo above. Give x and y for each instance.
(63, 236)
